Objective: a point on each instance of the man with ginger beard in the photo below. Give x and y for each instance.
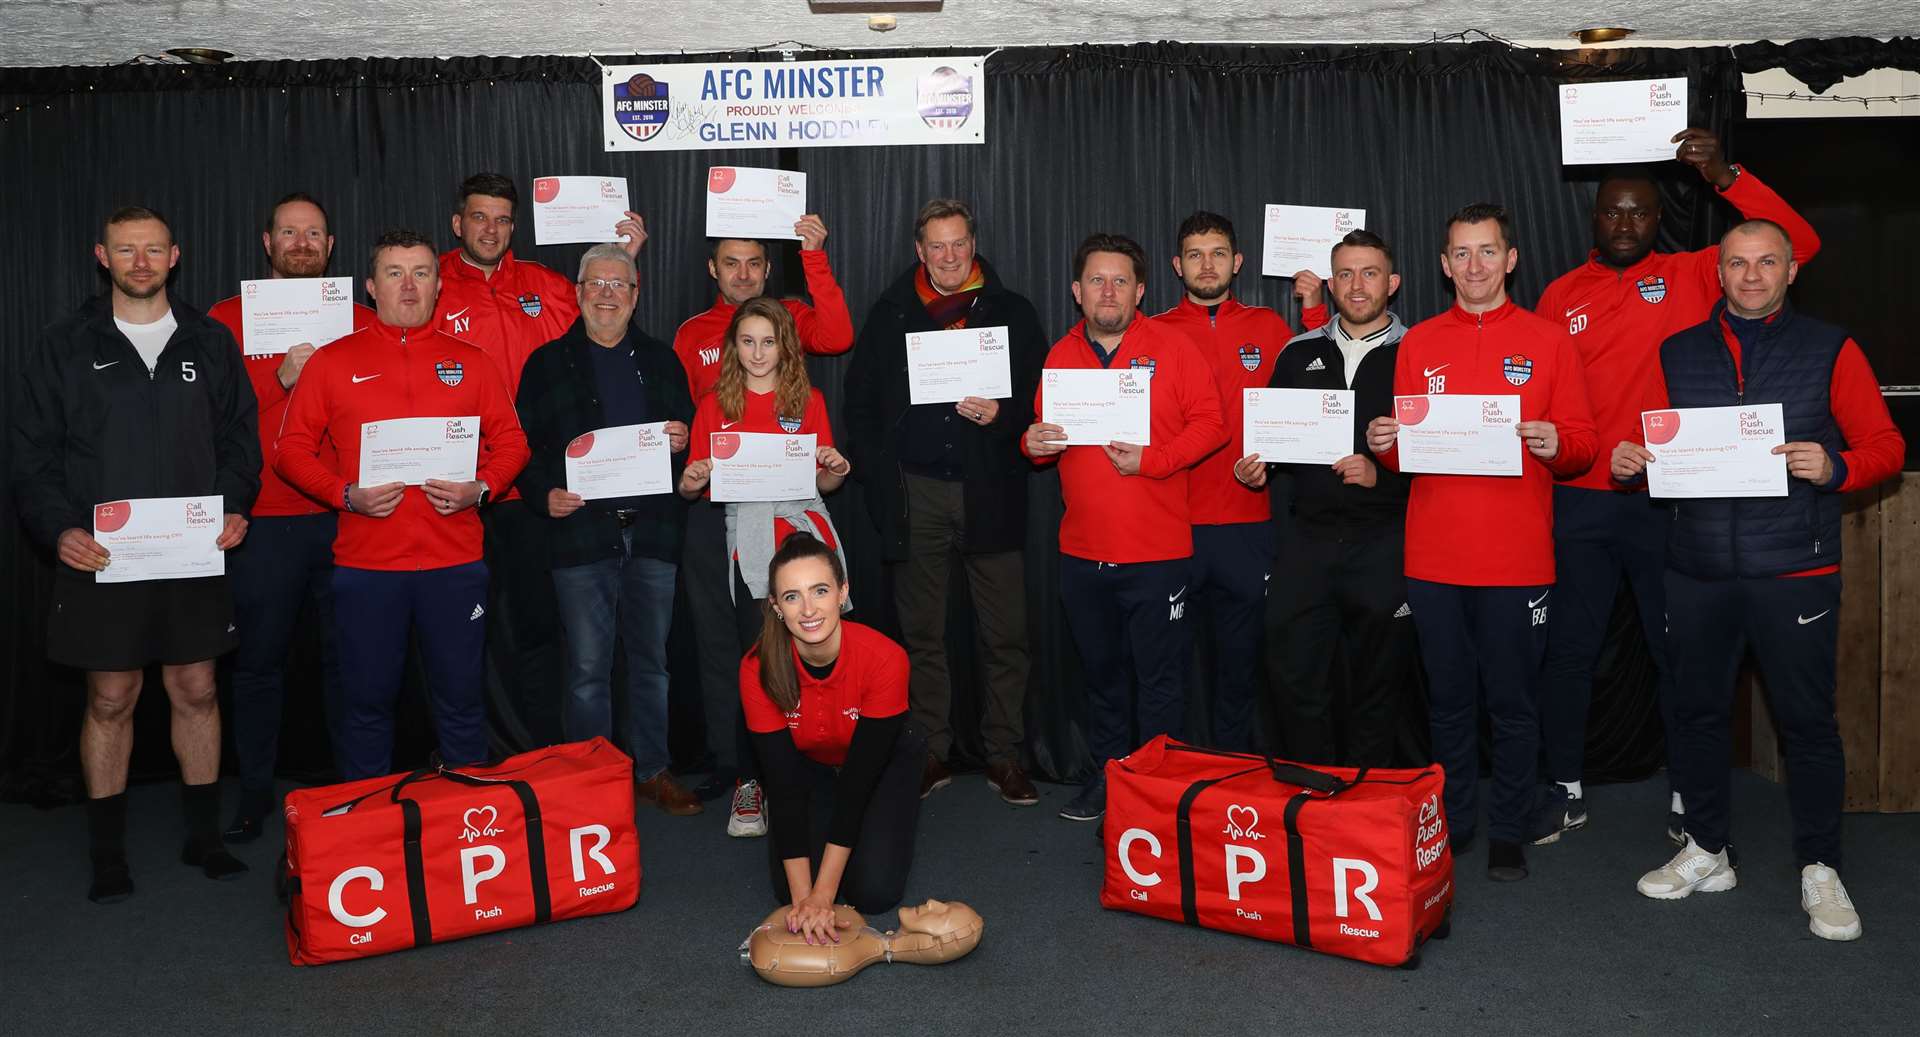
(286, 563)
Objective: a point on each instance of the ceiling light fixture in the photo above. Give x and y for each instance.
(875, 6)
(1593, 34)
(200, 55)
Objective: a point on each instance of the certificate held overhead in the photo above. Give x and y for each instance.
(1634, 121)
(745, 202)
(578, 209)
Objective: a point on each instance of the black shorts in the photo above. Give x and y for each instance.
(125, 626)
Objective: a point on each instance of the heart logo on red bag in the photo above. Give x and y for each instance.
(1241, 822)
(484, 827)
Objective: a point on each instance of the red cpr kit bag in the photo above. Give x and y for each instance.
(1354, 863)
(383, 864)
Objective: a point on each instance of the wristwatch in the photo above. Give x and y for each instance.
(485, 492)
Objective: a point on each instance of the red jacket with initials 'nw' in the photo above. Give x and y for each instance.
(825, 328)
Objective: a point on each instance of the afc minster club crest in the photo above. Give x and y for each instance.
(1653, 287)
(1250, 357)
(945, 98)
(1518, 369)
(530, 305)
(640, 106)
(451, 372)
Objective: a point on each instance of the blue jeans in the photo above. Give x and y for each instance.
(631, 597)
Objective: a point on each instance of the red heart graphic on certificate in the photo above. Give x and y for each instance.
(112, 518)
(581, 446)
(726, 444)
(1411, 410)
(1662, 426)
(720, 179)
(546, 189)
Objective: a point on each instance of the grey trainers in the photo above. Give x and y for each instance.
(1691, 870)
(1830, 913)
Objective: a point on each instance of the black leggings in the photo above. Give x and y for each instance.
(876, 874)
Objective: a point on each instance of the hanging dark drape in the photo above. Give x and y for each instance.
(1127, 139)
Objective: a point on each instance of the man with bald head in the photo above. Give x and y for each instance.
(1764, 572)
(1618, 307)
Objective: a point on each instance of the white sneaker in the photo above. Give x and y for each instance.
(1691, 870)
(747, 820)
(1829, 910)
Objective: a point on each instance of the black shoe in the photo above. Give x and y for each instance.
(242, 830)
(719, 783)
(213, 861)
(1677, 828)
(1460, 843)
(112, 882)
(1090, 803)
(1506, 862)
(1561, 813)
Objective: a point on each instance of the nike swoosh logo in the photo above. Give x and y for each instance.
(357, 379)
(1535, 603)
(456, 315)
(1804, 620)
(1175, 596)
(1578, 308)
(1431, 371)
(725, 425)
(102, 367)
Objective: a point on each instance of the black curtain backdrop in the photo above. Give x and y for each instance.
(1079, 139)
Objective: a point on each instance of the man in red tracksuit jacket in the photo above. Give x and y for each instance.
(287, 558)
(739, 268)
(1764, 572)
(1619, 306)
(1480, 547)
(1126, 541)
(407, 558)
(1232, 544)
(508, 308)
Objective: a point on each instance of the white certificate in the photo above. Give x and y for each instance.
(578, 209)
(763, 466)
(621, 461)
(281, 313)
(1621, 122)
(744, 202)
(160, 538)
(413, 450)
(1453, 434)
(1297, 426)
(1716, 451)
(947, 366)
(1099, 407)
(1301, 237)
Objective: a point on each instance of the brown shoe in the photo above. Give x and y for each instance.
(667, 794)
(1012, 783)
(935, 777)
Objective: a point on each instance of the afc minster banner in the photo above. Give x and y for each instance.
(794, 104)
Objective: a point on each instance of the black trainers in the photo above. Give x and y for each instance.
(213, 861)
(1090, 803)
(112, 882)
(1562, 812)
(1506, 862)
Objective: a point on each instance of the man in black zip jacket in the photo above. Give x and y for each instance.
(945, 479)
(614, 559)
(1341, 617)
(136, 396)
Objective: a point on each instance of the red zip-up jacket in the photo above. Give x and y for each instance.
(1137, 518)
(276, 497)
(1618, 318)
(825, 328)
(387, 372)
(1240, 344)
(1490, 530)
(1875, 448)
